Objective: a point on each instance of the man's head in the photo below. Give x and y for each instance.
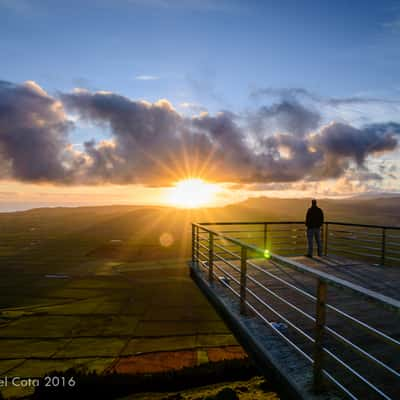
(313, 202)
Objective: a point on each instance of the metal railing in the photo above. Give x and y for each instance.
(375, 244)
(234, 256)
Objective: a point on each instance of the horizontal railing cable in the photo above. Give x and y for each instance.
(278, 314)
(227, 274)
(356, 374)
(361, 351)
(228, 263)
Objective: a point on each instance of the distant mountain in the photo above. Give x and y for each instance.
(384, 210)
(376, 195)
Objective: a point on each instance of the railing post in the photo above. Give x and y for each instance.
(383, 246)
(210, 256)
(320, 317)
(193, 244)
(326, 239)
(265, 236)
(197, 245)
(243, 276)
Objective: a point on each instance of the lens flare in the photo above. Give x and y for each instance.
(166, 239)
(267, 254)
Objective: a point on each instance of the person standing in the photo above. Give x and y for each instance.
(314, 221)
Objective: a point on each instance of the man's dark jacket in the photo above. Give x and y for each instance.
(314, 217)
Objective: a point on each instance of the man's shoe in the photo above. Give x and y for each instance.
(309, 255)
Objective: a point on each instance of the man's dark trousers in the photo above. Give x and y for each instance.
(311, 234)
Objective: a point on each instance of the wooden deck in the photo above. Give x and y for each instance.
(384, 280)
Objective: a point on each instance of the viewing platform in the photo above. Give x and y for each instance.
(323, 327)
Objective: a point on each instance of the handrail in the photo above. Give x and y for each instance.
(296, 223)
(252, 223)
(364, 225)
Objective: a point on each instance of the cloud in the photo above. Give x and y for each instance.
(295, 94)
(341, 140)
(287, 115)
(147, 78)
(194, 107)
(153, 144)
(389, 169)
(33, 133)
(357, 110)
(146, 136)
(284, 93)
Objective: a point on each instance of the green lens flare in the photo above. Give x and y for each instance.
(267, 254)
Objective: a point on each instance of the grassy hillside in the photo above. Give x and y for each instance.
(59, 239)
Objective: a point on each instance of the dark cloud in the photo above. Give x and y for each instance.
(388, 128)
(288, 157)
(225, 135)
(341, 140)
(341, 143)
(287, 116)
(152, 144)
(33, 132)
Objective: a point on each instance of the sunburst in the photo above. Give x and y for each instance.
(192, 193)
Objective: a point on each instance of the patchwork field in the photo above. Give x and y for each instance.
(123, 317)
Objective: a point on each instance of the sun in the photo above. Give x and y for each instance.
(192, 193)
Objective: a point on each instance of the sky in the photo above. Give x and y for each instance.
(105, 102)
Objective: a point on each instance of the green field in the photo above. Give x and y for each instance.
(106, 311)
